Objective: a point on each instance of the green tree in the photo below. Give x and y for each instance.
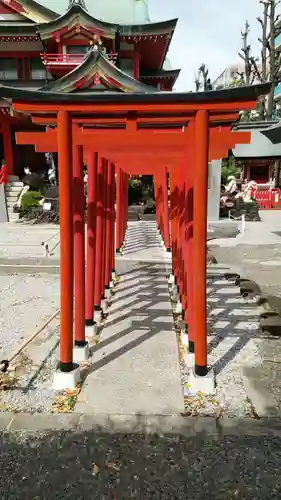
(230, 166)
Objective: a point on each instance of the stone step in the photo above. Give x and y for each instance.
(13, 178)
(18, 184)
(11, 199)
(11, 188)
(10, 205)
(13, 217)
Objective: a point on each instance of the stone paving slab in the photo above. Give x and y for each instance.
(147, 424)
(136, 364)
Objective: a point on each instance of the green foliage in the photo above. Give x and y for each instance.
(30, 200)
(135, 183)
(134, 190)
(230, 166)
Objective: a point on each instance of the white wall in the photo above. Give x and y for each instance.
(214, 190)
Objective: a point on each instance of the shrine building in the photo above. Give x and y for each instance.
(76, 45)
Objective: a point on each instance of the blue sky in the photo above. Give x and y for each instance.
(208, 31)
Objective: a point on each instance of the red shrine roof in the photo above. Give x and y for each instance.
(97, 73)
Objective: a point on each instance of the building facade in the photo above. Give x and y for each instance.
(229, 77)
(76, 45)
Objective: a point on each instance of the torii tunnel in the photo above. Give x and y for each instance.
(128, 134)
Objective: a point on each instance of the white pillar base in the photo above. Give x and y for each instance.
(189, 358)
(90, 331)
(66, 380)
(174, 293)
(98, 316)
(111, 284)
(184, 338)
(178, 309)
(104, 305)
(196, 384)
(113, 276)
(171, 280)
(108, 294)
(81, 354)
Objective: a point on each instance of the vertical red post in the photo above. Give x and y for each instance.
(92, 164)
(79, 246)
(113, 218)
(104, 205)
(126, 202)
(118, 209)
(157, 198)
(64, 135)
(188, 250)
(166, 227)
(109, 231)
(8, 148)
(200, 241)
(179, 229)
(99, 231)
(173, 210)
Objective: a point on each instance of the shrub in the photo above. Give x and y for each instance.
(30, 200)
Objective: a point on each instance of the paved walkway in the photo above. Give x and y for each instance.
(135, 366)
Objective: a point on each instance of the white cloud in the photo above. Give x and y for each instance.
(208, 31)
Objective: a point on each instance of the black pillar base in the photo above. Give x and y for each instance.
(89, 322)
(80, 343)
(66, 367)
(191, 346)
(168, 250)
(118, 250)
(97, 308)
(201, 371)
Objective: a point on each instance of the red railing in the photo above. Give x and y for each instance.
(3, 175)
(267, 199)
(69, 59)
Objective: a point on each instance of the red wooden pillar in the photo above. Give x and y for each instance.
(104, 205)
(64, 134)
(92, 164)
(124, 193)
(157, 199)
(173, 210)
(122, 208)
(166, 227)
(113, 218)
(200, 241)
(79, 246)
(118, 209)
(99, 235)
(8, 148)
(188, 251)
(109, 230)
(179, 229)
(126, 202)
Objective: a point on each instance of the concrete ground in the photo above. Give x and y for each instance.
(136, 363)
(256, 254)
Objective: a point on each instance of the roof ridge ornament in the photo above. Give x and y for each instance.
(75, 3)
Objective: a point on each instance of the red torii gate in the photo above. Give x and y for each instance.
(221, 141)
(193, 144)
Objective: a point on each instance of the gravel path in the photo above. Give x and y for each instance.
(78, 465)
(26, 302)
